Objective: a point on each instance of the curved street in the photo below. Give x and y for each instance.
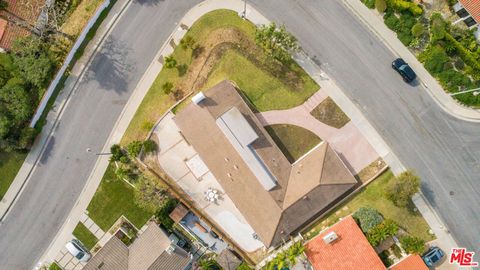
(443, 150)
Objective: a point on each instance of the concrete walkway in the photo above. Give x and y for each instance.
(376, 25)
(347, 141)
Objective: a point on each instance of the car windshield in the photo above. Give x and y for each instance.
(80, 252)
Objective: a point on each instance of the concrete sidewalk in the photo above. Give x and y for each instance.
(375, 23)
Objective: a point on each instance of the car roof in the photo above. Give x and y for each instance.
(408, 71)
(73, 249)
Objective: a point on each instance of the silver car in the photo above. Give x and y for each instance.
(77, 249)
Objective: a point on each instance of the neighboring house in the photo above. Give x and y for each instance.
(344, 246)
(469, 11)
(275, 197)
(18, 19)
(152, 250)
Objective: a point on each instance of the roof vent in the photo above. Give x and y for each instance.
(330, 237)
(170, 249)
(198, 98)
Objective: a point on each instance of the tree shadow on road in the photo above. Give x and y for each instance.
(48, 151)
(149, 2)
(111, 66)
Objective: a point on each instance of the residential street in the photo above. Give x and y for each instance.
(444, 151)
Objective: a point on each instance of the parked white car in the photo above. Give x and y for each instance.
(77, 249)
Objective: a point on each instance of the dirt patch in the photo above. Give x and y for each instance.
(329, 113)
(371, 170)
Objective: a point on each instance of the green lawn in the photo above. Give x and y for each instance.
(294, 141)
(85, 236)
(265, 91)
(54, 266)
(374, 196)
(112, 199)
(10, 163)
(329, 113)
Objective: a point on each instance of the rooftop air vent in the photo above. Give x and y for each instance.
(330, 237)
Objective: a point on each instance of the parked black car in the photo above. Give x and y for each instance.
(404, 69)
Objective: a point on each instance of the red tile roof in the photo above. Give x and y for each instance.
(409, 263)
(350, 251)
(3, 25)
(473, 7)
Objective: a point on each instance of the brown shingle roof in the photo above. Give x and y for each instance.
(409, 263)
(148, 252)
(178, 213)
(113, 256)
(351, 250)
(272, 214)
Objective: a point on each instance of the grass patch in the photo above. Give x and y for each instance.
(10, 163)
(54, 266)
(265, 91)
(294, 141)
(330, 114)
(374, 196)
(85, 236)
(112, 199)
(78, 15)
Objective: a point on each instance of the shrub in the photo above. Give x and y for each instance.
(434, 59)
(402, 5)
(402, 188)
(413, 245)
(385, 259)
(452, 80)
(170, 62)
(147, 125)
(405, 37)
(367, 218)
(187, 42)
(149, 146)
(134, 148)
(369, 3)
(244, 266)
(459, 64)
(118, 154)
(418, 29)
(381, 232)
(392, 22)
(381, 5)
(167, 87)
(415, 43)
(149, 194)
(465, 54)
(438, 27)
(163, 213)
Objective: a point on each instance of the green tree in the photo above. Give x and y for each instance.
(438, 27)
(5, 125)
(134, 148)
(434, 59)
(418, 29)
(367, 218)
(381, 5)
(403, 188)
(163, 213)
(17, 101)
(33, 60)
(3, 5)
(118, 154)
(149, 146)
(170, 62)
(381, 232)
(276, 42)
(149, 194)
(413, 245)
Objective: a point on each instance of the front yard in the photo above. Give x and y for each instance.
(225, 49)
(87, 238)
(113, 199)
(374, 196)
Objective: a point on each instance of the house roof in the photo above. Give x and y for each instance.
(410, 262)
(152, 250)
(351, 250)
(473, 8)
(273, 213)
(20, 12)
(114, 255)
(228, 260)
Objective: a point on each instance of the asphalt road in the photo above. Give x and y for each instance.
(87, 121)
(443, 150)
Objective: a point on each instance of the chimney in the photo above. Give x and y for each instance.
(330, 237)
